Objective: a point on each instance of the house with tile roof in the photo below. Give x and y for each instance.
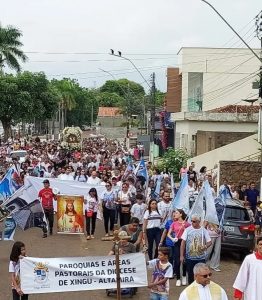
(110, 117)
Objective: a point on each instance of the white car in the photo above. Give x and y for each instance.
(20, 154)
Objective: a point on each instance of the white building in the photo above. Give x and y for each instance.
(216, 77)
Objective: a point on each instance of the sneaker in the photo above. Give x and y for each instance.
(216, 269)
(106, 235)
(88, 237)
(178, 282)
(184, 281)
(44, 235)
(92, 236)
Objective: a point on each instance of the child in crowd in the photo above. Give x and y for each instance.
(17, 253)
(162, 271)
(138, 209)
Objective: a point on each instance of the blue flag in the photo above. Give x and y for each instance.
(141, 169)
(10, 183)
(181, 200)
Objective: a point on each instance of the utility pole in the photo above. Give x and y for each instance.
(152, 118)
(259, 35)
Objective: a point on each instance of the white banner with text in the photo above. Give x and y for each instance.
(50, 275)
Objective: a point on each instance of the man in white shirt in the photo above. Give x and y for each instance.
(203, 288)
(67, 175)
(165, 206)
(93, 179)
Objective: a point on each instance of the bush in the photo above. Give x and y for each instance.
(172, 161)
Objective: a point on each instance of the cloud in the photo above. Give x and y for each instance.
(137, 26)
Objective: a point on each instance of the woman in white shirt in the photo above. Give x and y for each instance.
(108, 198)
(91, 209)
(124, 201)
(151, 228)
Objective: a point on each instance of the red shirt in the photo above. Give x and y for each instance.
(46, 195)
(178, 228)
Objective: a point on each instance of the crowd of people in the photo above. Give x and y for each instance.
(175, 247)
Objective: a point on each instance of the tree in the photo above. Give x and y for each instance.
(173, 160)
(10, 44)
(66, 91)
(108, 99)
(23, 97)
(123, 87)
(131, 93)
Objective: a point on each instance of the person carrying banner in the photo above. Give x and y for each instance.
(46, 197)
(125, 247)
(203, 288)
(18, 252)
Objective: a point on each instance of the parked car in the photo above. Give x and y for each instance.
(20, 154)
(239, 230)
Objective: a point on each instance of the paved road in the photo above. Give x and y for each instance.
(63, 245)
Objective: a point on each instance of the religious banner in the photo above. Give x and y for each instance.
(70, 218)
(50, 275)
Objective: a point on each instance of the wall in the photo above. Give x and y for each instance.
(116, 132)
(240, 171)
(111, 121)
(190, 128)
(209, 140)
(174, 88)
(236, 151)
(225, 74)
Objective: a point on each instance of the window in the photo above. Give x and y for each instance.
(236, 214)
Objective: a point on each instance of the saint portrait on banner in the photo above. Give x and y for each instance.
(70, 214)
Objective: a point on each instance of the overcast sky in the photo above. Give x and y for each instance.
(150, 32)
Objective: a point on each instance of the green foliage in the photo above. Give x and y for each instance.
(123, 87)
(173, 160)
(25, 96)
(159, 96)
(10, 44)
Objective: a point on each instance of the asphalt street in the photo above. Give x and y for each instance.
(74, 245)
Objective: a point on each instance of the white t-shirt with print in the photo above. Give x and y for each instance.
(138, 210)
(153, 219)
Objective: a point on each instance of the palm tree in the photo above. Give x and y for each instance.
(66, 92)
(10, 44)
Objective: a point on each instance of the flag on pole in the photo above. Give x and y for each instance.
(10, 183)
(157, 187)
(198, 206)
(141, 170)
(181, 200)
(31, 215)
(172, 185)
(8, 232)
(211, 213)
(129, 172)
